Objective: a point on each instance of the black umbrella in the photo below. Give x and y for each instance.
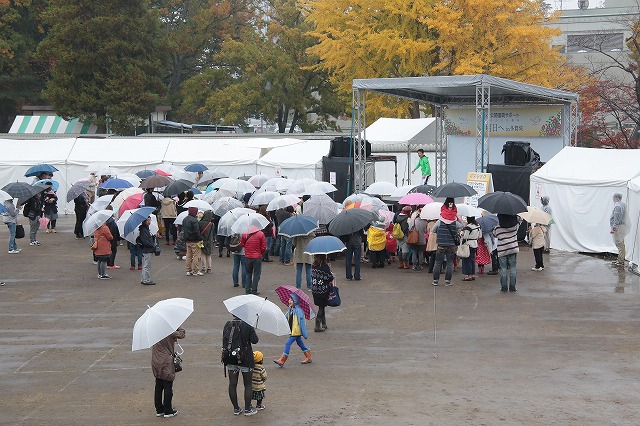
(424, 189)
(351, 220)
(502, 203)
(453, 190)
(180, 185)
(155, 181)
(22, 191)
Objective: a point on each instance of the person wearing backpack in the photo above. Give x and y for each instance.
(237, 335)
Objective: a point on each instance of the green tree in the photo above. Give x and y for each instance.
(106, 61)
(20, 73)
(267, 71)
(193, 31)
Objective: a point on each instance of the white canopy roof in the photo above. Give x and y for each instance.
(399, 135)
(589, 166)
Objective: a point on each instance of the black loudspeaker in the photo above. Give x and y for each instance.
(343, 169)
(516, 153)
(342, 147)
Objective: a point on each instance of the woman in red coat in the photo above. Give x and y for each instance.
(102, 236)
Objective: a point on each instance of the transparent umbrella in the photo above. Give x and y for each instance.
(95, 221)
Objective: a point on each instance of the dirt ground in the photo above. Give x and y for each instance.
(562, 350)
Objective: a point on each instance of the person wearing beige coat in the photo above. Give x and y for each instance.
(165, 372)
(301, 259)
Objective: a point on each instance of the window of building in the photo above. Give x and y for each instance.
(601, 42)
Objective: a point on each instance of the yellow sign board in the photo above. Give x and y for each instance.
(482, 183)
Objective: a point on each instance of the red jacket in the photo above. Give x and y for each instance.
(254, 245)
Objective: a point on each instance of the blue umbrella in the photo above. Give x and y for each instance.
(142, 174)
(325, 245)
(39, 168)
(137, 217)
(195, 191)
(54, 184)
(487, 222)
(298, 226)
(115, 183)
(196, 168)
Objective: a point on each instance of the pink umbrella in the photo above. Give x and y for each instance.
(132, 202)
(284, 291)
(415, 199)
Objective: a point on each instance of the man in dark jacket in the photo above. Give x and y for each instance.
(150, 200)
(113, 227)
(81, 206)
(248, 337)
(353, 255)
(147, 244)
(192, 237)
(33, 207)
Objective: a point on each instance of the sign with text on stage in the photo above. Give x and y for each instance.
(531, 121)
(482, 183)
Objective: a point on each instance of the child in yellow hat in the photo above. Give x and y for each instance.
(259, 377)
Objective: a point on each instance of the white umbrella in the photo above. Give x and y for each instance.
(258, 180)
(319, 188)
(95, 221)
(249, 223)
(100, 203)
(236, 185)
(262, 198)
(381, 188)
(321, 207)
(401, 191)
(213, 196)
(225, 204)
(159, 321)
(259, 313)
(229, 218)
(299, 186)
(102, 168)
(4, 196)
(123, 195)
(536, 215)
(277, 184)
(131, 237)
(282, 201)
(180, 218)
(199, 204)
(431, 211)
(130, 177)
(467, 210)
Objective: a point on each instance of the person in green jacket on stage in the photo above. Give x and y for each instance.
(424, 166)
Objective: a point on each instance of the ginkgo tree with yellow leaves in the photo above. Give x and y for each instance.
(404, 38)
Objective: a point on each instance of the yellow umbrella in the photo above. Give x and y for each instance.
(535, 215)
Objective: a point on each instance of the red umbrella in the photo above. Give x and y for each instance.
(162, 172)
(284, 291)
(132, 202)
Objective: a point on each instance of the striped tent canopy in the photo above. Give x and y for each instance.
(49, 124)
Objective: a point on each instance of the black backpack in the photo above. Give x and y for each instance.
(234, 243)
(233, 350)
(26, 209)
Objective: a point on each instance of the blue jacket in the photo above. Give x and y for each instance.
(297, 311)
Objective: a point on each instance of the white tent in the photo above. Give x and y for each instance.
(580, 183)
(297, 161)
(232, 156)
(402, 138)
(632, 242)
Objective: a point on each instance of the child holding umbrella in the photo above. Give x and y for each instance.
(295, 316)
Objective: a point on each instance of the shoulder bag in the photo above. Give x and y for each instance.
(413, 236)
(334, 296)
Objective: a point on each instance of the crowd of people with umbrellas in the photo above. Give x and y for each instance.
(194, 209)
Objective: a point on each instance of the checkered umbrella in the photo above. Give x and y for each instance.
(285, 291)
